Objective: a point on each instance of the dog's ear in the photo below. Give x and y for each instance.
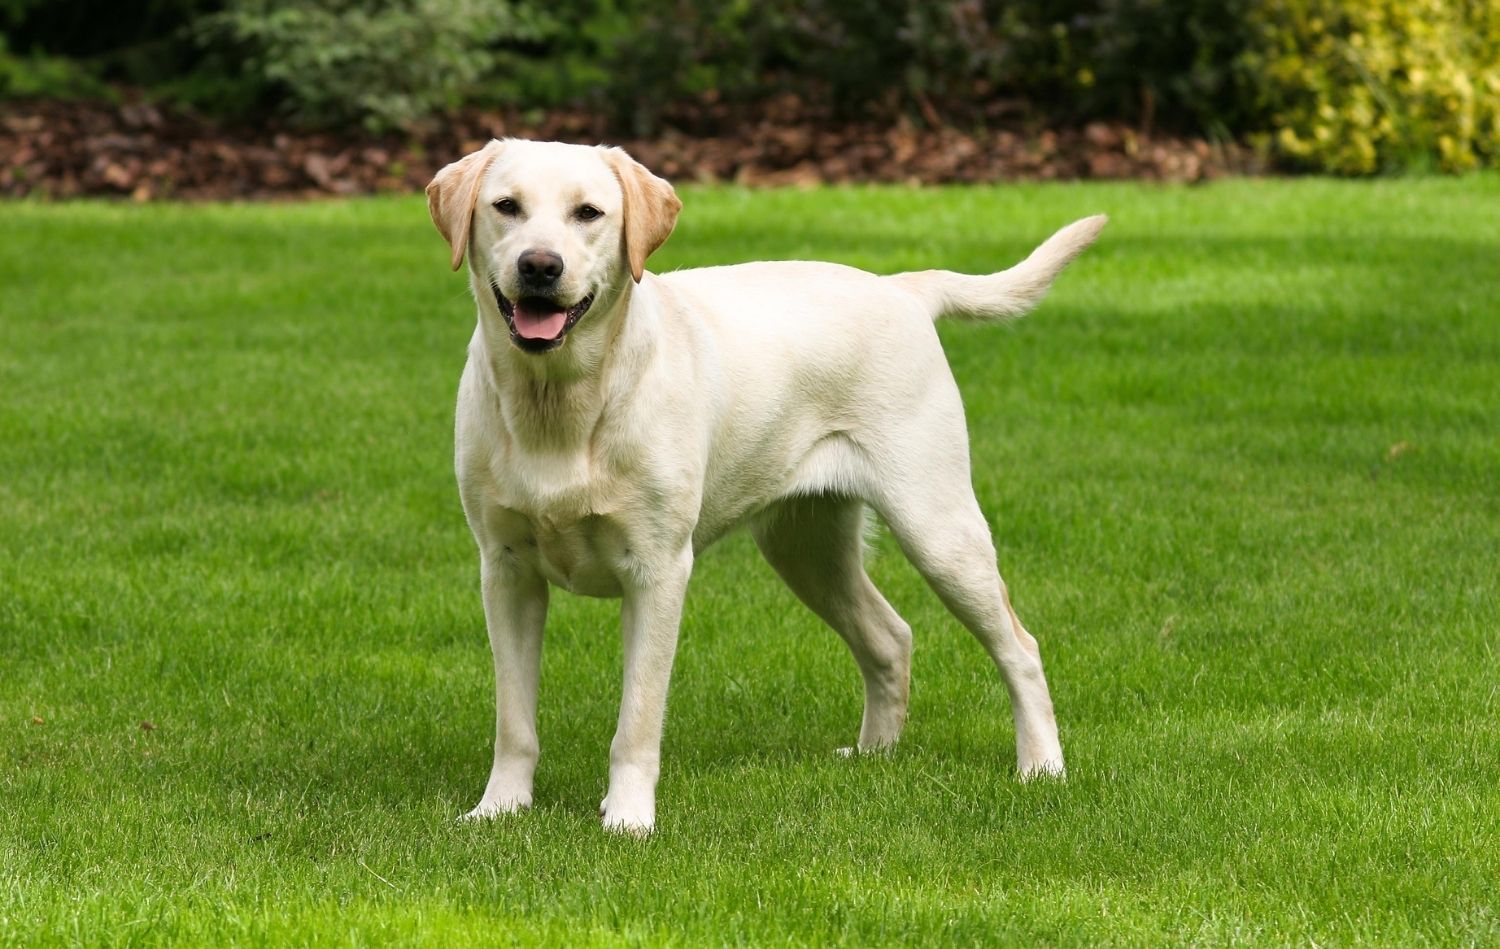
(651, 208)
(452, 193)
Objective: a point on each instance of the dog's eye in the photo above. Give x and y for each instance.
(508, 206)
(587, 212)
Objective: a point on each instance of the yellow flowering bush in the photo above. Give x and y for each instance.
(1362, 86)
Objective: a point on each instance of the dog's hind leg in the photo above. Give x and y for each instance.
(816, 544)
(929, 504)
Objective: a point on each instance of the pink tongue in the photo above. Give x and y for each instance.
(539, 323)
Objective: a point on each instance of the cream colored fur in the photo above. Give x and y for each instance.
(788, 397)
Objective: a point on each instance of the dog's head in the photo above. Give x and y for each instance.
(551, 229)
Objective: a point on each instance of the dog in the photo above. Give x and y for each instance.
(613, 423)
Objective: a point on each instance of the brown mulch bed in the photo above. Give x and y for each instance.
(145, 152)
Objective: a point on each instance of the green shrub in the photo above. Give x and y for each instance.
(46, 77)
(628, 59)
(385, 63)
(1360, 86)
(1171, 62)
(78, 47)
(1071, 59)
(966, 60)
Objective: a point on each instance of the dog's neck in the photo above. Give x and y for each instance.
(555, 401)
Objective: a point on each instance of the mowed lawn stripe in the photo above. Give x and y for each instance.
(1243, 468)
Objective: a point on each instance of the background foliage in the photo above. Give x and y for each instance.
(1358, 86)
(1350, 86)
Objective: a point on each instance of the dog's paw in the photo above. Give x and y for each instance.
(1044, 769)
(883, 749)
(638, 818)
(488, 809)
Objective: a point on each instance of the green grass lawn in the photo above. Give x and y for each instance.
(1243, 468)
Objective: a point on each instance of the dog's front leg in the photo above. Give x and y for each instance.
(515, 609)
(650, 615)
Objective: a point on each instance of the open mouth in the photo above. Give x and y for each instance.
(537, 324)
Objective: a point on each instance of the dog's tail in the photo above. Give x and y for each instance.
(1006, 294)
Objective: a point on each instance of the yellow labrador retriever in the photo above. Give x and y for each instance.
(613, 423)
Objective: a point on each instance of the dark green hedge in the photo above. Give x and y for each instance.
(1265, 69)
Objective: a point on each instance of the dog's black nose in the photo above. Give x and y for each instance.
(539, 267)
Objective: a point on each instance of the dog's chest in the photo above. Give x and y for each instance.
(564, 521)
(583, 556)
